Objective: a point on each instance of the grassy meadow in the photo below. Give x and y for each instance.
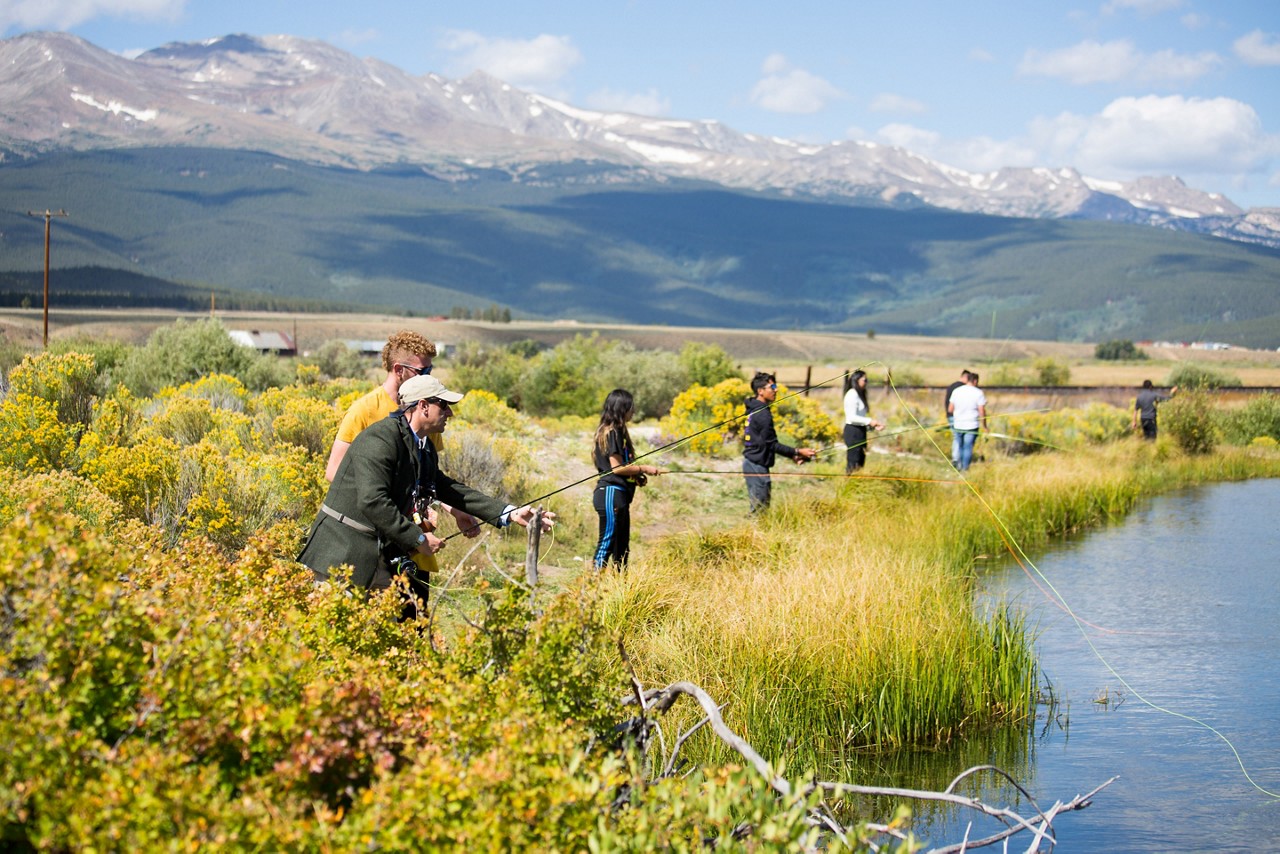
(176, 680)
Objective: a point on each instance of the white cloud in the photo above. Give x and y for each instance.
(648, 103)
(63, 14)
(887, 102)
(358, 36)
(1152, 135)
(1142, 7)
(975, 154)
(785, 89)
(979, 54)
(1258, 48)
(1208, 141)
(910, 137)
(1115, 61)
(538, 63)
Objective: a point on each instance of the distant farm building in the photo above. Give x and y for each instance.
(279, 343)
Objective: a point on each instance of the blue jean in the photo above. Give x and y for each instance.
(962, 447)
(759, 485)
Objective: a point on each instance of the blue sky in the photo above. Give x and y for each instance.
(1115, 88)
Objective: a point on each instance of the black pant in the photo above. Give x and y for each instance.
(419, 584)
(613, 505)
(855, 440)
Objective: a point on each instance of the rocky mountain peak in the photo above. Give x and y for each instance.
(307, 99)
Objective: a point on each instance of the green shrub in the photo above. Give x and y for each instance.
(183, 353)
(654, 378)
(1118, 350)
(564, 379)
(705, 364)
(335, 359)
(1189, 418)
(1258, 418)
(1192, 376)
(494, 370)
(1051, 372)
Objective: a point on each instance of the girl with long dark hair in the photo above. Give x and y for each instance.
(857, 419)
(614, 456)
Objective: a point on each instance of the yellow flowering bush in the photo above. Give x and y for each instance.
(717, 415)
(485, 410)
(306, 423)
(698, 408)
(1096, 424)
(143, 478)
(67, 380)
(183, 419)
(32, 437)
(117, 419)
(87, 506)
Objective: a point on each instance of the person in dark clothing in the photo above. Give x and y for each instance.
(614, 456)
(762, 445)
(390, 470)
(951, 420)
(1144, 408)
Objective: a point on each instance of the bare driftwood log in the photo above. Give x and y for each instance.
(658, 701)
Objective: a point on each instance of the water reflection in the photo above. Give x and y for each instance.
(1176, 614)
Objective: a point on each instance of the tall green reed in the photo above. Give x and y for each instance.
(845, 622)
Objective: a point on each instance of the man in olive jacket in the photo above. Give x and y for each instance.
(366, 515)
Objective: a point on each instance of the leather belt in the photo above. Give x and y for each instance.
(346, 520)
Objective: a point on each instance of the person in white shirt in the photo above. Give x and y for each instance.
(857, 419)
(968, 408)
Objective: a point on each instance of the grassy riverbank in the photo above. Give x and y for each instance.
(844, 621)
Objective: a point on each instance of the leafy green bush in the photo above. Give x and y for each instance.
(1118, 350)
(1051, 372)
(256, 711)
(1260, 417)
(705, 364)
(494, 370)
(182, 353)
(1190, 376)
(335, 359)
(1190, 419)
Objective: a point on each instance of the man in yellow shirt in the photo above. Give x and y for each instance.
(406, 354)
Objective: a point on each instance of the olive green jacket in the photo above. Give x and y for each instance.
(373, 492)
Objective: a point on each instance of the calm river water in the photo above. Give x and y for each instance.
(1184, 601)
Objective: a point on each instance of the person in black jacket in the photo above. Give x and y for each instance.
(390, 470)
(762, 445)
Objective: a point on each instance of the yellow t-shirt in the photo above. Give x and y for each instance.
(375, 406)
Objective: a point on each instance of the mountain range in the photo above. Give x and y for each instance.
(468, 174)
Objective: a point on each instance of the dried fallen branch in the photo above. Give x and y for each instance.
(660, 701)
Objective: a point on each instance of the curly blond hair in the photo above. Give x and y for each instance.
(405, 343)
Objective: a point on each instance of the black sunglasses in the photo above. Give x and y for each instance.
(418, 371)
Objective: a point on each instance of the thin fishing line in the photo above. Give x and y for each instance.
(815, 475)
(1011, 542)
(662, 448)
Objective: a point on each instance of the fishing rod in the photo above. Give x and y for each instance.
(668, 446)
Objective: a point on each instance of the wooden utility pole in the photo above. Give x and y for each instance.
(48, 215)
